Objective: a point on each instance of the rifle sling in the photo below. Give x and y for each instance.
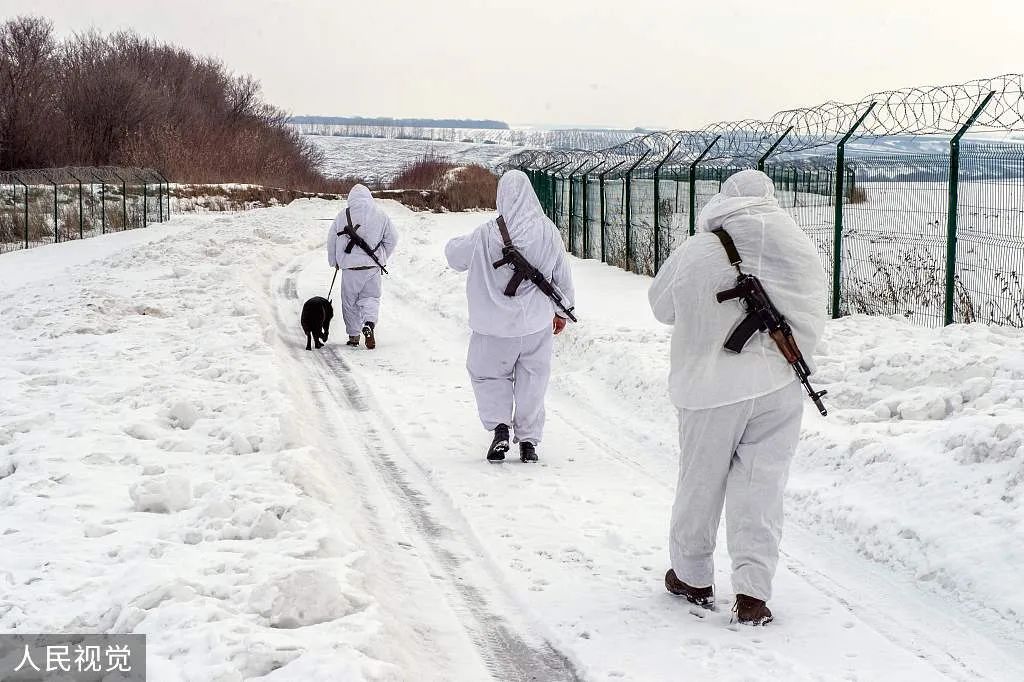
(751, 323)
(729, 246)
(517, 276)
(350, 232)
(348, 228)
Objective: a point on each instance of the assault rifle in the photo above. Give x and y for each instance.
(524, 270)
(355, 240)
(763, 316)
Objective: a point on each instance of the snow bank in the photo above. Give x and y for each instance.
(918, 467)
(152, 479)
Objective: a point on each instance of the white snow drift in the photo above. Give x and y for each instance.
(169, 466)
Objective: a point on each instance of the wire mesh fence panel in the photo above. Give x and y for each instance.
(810, 204)
(889, 236)
(46, 206)
(894, 236)
(562, 208)
(592, 238)
(641, 230)
(673, 213)
(615, 221)
(40, 215)
(11, 217)
(990, 235)
(576, 218)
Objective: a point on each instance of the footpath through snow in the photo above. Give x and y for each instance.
(173, 462)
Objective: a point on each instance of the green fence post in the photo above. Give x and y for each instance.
(124, 202)
(556, 182)
(629, 209)
(837, 245)
(56, 227)
(103, 204)
(586, 228)
(572, 207)
(657, 207)
(81, 213)
(693, 183)
(586, 199)
(600, 208)
(760, 162)
(167, 192)
(554, 196)
(604, 250)
(160, 198)
(14, 176)
(954, 201)
(25, 215)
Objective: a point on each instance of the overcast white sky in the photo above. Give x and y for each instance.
(674, 64)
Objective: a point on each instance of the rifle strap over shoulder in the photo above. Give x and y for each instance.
(517, 277)
(349, 230)
(503, 229)
(729, 246)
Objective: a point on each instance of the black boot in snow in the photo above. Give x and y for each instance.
(371, 341)
(527, 452)
(751, 611)
(701, 596)
(353, 341)
(499, 446)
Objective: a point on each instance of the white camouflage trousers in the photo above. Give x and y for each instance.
(510, 378)
(360, 298)
(738, 455)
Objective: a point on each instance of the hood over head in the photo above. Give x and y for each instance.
(746, 192)
(519, 206)
(359, 194)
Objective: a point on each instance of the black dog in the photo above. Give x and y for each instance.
(316, 320)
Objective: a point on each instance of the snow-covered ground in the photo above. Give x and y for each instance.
(172, 461)
(378, 160)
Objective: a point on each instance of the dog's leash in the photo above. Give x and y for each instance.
(332, 285)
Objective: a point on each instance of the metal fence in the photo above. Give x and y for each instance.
(60, 204)
(914, 198)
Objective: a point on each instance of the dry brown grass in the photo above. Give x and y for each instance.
(434, 183)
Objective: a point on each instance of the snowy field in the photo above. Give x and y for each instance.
(173, 462)
(379, 160)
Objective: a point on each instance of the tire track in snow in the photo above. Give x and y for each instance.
(506, 653)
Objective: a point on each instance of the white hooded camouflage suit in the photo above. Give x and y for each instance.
(361, 278)
(510, 350)
(739, 414)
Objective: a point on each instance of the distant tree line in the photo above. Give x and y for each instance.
(121, 99)
(387, 121)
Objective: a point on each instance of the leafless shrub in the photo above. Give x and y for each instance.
(425, 173)
(39, 228)
(471, 187)
(8, 226)
(905, 283)
(443, 184)
(122, 99)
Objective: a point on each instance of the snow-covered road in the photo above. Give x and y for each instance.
(172, 461)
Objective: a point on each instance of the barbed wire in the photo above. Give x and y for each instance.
(926, 110)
